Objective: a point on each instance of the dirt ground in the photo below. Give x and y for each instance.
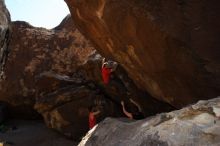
(32, 133)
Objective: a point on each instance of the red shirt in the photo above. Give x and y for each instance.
(106, 72)
(92, 120)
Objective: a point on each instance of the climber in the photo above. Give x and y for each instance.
(107, 69)
(93, 112)
(137, 114)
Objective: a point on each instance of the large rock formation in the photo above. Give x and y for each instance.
(169, 48)
(57, 73)
(37, 53)
(198, 124)
(4, 35)
(43, 74)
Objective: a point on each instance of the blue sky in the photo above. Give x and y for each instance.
(39, 13)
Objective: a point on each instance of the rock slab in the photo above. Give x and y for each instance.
(198, 124)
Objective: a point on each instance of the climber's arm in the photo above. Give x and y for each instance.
(136, 104)
(103, 61)
(96, 113)
(129, 115)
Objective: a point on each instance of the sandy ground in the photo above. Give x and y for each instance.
(33, 133)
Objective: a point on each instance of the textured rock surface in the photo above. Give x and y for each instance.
(4, 35)
(40, 53)
(169, 48)
(57, 73)
(43, 72)
(198, 124)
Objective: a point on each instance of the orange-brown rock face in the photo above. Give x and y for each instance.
(38, 52)
(43, 73)
(169, 48)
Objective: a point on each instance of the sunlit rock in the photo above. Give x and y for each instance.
(169, 48)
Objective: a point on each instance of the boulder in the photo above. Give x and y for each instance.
(5, 32)
(56, 74)
(41, 63)
(37, 52)
(197, 124)
(170, 49)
